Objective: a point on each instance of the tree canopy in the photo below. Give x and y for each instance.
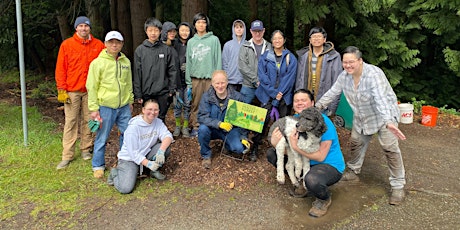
(415, 42)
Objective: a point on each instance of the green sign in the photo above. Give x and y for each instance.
(245, 115)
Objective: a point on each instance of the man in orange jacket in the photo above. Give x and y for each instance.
(75, 55)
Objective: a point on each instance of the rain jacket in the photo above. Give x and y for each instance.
(230, 55)
(248, 60)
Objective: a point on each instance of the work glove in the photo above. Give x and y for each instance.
(178, 102)
(274, 114)
(63, 97)
(94, 125)
(160, 157)
(189, 93)
(225, 126)
(152, 165)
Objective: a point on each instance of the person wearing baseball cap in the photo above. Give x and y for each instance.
(71, 74)
(110, 95)
(248, 60)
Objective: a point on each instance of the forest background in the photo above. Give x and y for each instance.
(415, 42)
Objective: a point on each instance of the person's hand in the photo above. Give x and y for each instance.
(246, 143)
(93, 125)
(276, 136)
(279, 96)
(293, 139)
(63, 97)
(140, 101)
(225, 126)
(274, 114)
(178, 102)
(189, 93)
(160, 157)
(152, 165)
(397, 132)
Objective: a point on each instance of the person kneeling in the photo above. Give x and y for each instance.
(146, 143)
(212, 109)
(326, 164)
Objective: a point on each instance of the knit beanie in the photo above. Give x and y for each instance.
(82, 20)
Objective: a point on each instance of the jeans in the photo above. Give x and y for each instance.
(125, 174)
(232, 140)
(120, 117)
(390, 146)
(185, 109)
(248, 94)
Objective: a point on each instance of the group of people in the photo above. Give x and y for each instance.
(192, 73)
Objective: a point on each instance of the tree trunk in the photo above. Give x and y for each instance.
(124, 25)
(253, 7)
(113, 15)
(192, 7)
(64, 28)
(289, 30)
(160, 11)
(97, 24)
(33, 53)
(140, 11)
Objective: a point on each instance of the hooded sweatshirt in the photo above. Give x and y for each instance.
(140, 137)
(181, 48)
(204, 55)
(109, 82)
(230, 55)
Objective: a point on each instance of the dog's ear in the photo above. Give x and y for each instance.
(321, 127)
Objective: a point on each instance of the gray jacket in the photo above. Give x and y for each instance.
(330, 70)
(248, 60)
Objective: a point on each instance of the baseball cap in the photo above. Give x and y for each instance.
(257, 25)
(113, 35)
(81, 20)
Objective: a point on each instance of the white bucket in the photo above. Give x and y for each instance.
(407, 113)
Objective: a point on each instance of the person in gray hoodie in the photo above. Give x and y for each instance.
(230, 55)
(146, 143)
(319, 66)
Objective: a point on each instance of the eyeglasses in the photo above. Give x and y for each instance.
(317, 37)
(257, 31)
(350, 62)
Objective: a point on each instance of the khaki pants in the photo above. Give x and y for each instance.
(76, 114)
(199, 86)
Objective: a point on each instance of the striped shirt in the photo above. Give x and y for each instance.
(373, 102)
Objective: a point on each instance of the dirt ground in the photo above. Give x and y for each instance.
(251, 198)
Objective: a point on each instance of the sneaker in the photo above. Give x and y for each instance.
(206, 163)
(185, 132)
(194, 133)
(63, 164)
(298, 192)
(176, 132)
(86, 156)
(157, 175)
(397, 196)
(349, 175)
(253, 154)
(319, 207)
(98, 173)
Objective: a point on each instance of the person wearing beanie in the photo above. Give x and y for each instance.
(71, 74)
(155, 71)
(204, 56)
(182, 108)
(110, 95)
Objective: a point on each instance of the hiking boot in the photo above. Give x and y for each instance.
(98, 173)
(298, 192)
(176, 132)
(63, 164)
(86, 156)
(194, 133)
(319, 207)
(397, 196)
(253, 154)
(349, 175)
(156, 174)
(206, 163)
(185, 132)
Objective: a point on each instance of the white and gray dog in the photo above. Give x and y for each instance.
(311, 126)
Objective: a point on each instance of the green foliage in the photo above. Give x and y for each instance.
(417, 105)
(450, 111)
(44, 90)
(452, 58)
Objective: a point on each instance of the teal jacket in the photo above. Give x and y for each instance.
(109, 82)
(204, 55)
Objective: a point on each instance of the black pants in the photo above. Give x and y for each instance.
(317, 180)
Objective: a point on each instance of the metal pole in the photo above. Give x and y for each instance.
(22, 69)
